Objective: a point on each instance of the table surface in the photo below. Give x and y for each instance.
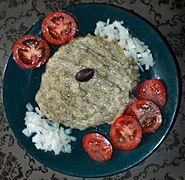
(168, 161)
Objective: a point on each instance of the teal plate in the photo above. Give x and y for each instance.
(20, 87)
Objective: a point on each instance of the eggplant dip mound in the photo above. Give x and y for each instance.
(100, 99)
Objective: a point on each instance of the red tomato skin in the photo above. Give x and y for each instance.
(18, 44)
(64, 39)
(125, 133)
(97, 146)
(153, 90)
(146, 112)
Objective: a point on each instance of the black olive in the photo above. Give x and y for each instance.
(84, 75)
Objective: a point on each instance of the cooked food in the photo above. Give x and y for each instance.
(99, 100)
(132, 46)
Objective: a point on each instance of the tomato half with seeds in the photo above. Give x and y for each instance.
(97, 146)
(59, 27)
(31, 51)
(154, 90)
(125, 133)
(147, 113)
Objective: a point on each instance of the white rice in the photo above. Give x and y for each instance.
(46, 135)
(132, 46)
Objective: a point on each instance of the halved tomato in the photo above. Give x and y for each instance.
(146, 112)
(153, 90)
(125, 133)
(31, 51)
(97, 146)
(59, 27)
